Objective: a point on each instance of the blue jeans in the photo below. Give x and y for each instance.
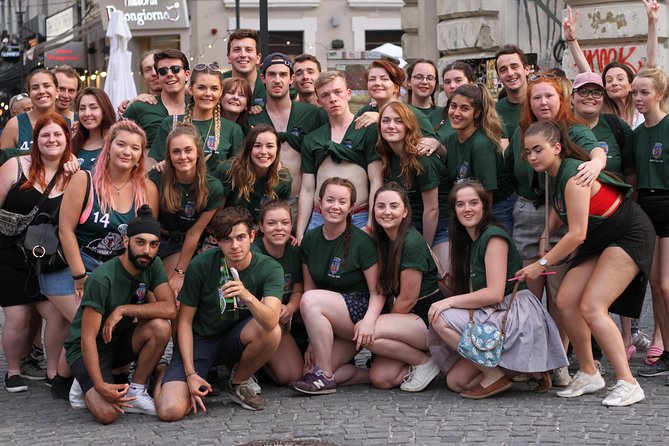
(359, 219)
(503, 211)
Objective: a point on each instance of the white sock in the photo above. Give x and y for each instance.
(136, 389)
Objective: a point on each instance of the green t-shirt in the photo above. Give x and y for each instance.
(6, 154)
(530, 184)
(303, 119)
(86, 158)
(230, 140)
(442, 125)
(327, 265)
(478, 157)
(259, 196)
(259, 93)
(477, 259)
(426, 128)
(263, 278)
(652, 155)
(290, 262)
(108, 287)
(357, 147)
(416, 255)
(147, 116)
(433, 175)
(509, 113)
(176, 225)
(617, 158)
(558, 185)
(425, 111)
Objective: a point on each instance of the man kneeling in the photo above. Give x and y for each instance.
(117, 324)
(229, 312)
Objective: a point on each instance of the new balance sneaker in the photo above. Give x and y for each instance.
(624, 394)
(420, 376)
(76, 396)
(641, 340)
(581, 384)
(316, 383)
(561, 377)
(15, 384)
(143, 403)
(244, 395)
(31, 370)
(252, 382)
(660, 368)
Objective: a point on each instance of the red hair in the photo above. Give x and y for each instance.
(36, 172)
(395, 73)
(564, 115)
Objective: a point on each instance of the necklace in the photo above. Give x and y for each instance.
(119, 189)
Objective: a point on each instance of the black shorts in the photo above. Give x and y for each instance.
(208, 351)
(655, 203)
(117, 353)
(423, 306)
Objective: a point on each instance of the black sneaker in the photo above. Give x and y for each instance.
(30, 369)
(15, 384)
(661, 367)
(60, 387)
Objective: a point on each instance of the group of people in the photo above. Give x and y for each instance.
(228, 219)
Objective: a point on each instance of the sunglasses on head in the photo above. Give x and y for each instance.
(162, 71)
(207, 66)
(536, 77)
(468, 181)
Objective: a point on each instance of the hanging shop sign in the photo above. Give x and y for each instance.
(61, 23)
(72, 53)
(149, 14)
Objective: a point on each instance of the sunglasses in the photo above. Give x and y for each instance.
(595, 92)
(162, 71)
(207, 66)
(18, 97)
(536, 77)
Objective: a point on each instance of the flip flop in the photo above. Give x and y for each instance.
(653, 354)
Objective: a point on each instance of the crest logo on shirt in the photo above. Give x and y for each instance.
(347, 143)
(141, 293)
(189, 209)
(605, 146)
(295, 131)
(407, 184)
(559, 204)
(259, 101)
(335, 265)
(657, 150)
(287, 282)
(211, 143)
(464, 170)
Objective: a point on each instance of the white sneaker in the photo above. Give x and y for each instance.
(624, 394)
(561, 377)
(420, 376)
(583, 383)
(252, 382)
(142, 404)
(641, 341)
(77, 400)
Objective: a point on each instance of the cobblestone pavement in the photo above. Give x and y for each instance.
(357, 415)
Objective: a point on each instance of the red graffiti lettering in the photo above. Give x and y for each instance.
(598, 58)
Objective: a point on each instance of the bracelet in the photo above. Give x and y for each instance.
(191, 374)
(570, 40)
(180, 272)
(80, 276)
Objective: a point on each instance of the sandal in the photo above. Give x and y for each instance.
(630, 350)
(543, 384)
(653, 354)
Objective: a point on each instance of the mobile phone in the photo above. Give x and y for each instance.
(235, 276)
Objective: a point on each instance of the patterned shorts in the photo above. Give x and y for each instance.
(357, 304)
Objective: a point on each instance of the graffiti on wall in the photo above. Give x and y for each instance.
(540, 21)
(598, 58)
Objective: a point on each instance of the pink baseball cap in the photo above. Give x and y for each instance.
(587, 78)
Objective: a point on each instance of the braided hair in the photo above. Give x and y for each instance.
(336, 181)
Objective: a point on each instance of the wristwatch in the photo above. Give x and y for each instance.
(543, 262)
(180, 272)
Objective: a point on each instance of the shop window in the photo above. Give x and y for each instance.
(287, 42)
(376, 38)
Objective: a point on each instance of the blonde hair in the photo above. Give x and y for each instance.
(660, 83)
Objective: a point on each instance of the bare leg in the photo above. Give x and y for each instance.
(259, 346)
(286, 365)
(149, 341)
(55, 333)
(66, 305)
(16, 335)
(345, 372)
(659, 281)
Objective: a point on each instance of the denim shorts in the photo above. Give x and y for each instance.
(57, 283)
(441, 235)
(503, 211)
(90, 263)
(359, 220)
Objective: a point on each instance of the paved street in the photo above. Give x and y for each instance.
(357, 415)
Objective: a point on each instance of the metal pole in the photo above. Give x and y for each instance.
(264, 34)
(238, 20)
(21, 44)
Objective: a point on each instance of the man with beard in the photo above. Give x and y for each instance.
(118, 322)
(292, 120)
(512, 69)
(229, 314)
(69, 84)
(307, 68)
